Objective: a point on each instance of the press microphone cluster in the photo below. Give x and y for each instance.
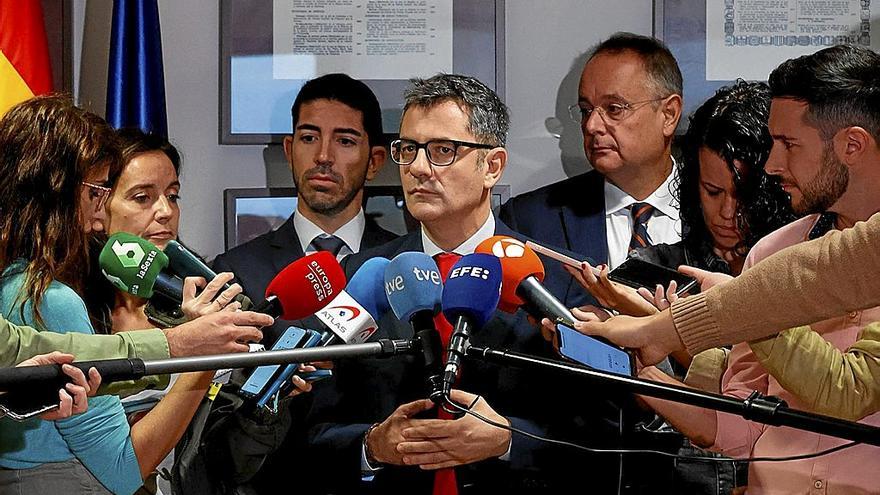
(137, 266)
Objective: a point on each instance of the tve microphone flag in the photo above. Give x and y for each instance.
(25, 71)
(414, 288)
(136, 78)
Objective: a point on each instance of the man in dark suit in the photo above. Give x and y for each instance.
(629, 105)
(336, 146)
(372, 424)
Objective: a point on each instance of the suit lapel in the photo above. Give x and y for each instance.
(285, 244)
(584, 225)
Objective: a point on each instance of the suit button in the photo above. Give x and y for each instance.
(818, 484)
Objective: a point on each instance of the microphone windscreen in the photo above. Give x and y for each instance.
(518, 261)
(413, 284)
(307, 285)
(366, 287)
(132, 264)
(473, 288)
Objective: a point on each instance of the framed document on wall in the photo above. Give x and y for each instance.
(719, 41)
(270, 48)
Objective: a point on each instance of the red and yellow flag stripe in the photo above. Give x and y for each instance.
(24, 53)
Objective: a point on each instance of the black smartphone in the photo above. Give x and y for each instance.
(636, 273)
(593, 352)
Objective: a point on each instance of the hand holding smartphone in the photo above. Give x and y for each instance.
(565, 260)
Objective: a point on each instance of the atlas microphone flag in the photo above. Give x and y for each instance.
(24, 53)
(136, 79)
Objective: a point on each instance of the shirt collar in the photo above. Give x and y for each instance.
(351, 232)
(661, 199)
(466, 247)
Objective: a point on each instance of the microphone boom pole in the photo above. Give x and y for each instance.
(760, 408)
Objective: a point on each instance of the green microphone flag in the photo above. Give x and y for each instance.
(132, 264)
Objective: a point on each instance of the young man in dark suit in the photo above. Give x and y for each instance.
(372, 423)
(629, 105)
(336, 146)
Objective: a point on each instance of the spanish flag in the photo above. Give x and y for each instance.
(24, 53)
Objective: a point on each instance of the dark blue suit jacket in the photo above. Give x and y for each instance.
(256, 262)
(569, 214)
(367, 391)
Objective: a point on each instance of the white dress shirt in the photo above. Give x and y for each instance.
(664, 226)
(351, 233)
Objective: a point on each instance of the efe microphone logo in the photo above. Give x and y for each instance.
(508, 248)
(473, 271)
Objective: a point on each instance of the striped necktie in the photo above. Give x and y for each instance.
(641, 213)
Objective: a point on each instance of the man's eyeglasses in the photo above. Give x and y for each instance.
(98, 194)
(440, 152)
(610, 112)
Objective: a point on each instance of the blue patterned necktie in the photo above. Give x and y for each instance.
(641, 212)
(331, 243)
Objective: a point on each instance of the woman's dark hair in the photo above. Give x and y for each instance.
(48, 146)
(133, 142)
(733, 124)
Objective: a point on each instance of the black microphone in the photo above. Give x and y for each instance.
(470, 298)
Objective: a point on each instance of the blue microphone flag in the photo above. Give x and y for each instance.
(413, 284)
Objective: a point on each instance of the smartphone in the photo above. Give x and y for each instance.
(636, 273)
(314, 376)
(279, 384)
(290, 339)
(565, 260)
(593, 352)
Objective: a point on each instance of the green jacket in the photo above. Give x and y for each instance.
(25, 342)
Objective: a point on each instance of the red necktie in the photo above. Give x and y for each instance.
(444, 479)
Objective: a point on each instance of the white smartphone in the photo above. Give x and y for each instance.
(565, 260)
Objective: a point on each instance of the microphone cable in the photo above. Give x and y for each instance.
(563, 443)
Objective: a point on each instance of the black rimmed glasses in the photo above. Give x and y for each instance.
(98, 194)
(610, 113)
(440, 152)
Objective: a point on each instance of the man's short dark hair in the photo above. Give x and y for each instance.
(661, 66)
(840, 85)
(347, 90)
(488, 117)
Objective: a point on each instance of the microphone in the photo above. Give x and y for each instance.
(351, 316)
(135, 265)
(522, 273)
(303, 287)
(470, 296)
(414, 289)
(184, 263)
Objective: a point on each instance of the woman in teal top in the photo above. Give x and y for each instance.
(55, 162)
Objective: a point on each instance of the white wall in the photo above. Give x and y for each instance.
(544, 40)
